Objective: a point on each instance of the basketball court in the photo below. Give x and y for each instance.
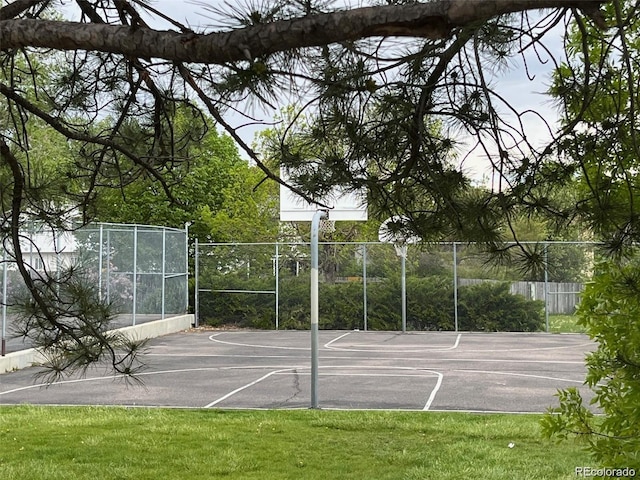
(478, 372)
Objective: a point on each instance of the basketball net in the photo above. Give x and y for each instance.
(327, 226)
(401, 249)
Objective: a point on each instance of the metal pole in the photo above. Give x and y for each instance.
(100, 263)
(135, 273)
(455, 286)
(164, 270)
(108, 265)
(315, 227)
(546, 287)
(364, 284)
(4, 302)
(186, 266)
(277, 289)
(404, 287)
(197, 286)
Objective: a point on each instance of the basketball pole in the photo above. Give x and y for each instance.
(4, 302)
(315, 228)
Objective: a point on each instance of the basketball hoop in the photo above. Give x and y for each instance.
(394, 231)
(327, 226)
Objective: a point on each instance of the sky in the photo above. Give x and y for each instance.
(513, 84)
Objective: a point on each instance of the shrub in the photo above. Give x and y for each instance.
(610, 313)
(490, 307)
(482, 307)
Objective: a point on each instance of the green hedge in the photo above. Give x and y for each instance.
(490, 307)
(482, 307)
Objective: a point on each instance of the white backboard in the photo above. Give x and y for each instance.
(344, 206)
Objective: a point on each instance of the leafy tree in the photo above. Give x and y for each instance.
(609, 311)
(596, 90)
(603, 113)
(125, 69)
(219, 193)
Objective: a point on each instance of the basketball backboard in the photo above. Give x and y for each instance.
(344, 205)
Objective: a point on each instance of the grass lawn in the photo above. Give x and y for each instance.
(99, 443)
(564, 324)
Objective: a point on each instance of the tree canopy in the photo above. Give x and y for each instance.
(376, 78)
(219, 194)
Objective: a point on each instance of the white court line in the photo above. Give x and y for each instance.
(400, 359)
(211, 337)
(280, 370)
(63, 382)
(543, 377)
(328, 344)
(111, 377)
(398, 348)
(515, 350)
(532, 349)
(434, 391)
(251, 384)
(432, 397)
(144, 374)
(389, 348)
(395, 375)
(430, 400)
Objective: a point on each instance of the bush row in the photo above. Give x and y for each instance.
(430, 306)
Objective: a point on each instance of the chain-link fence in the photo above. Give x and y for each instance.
(369, 286)
(141, 270)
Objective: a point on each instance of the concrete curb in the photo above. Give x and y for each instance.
(158, 328)
(29, 357)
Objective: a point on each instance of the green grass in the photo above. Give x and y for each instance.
(564, 324)
(116, 443)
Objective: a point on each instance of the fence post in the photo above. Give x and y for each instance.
(403, 284)
(277, 289)
(455, 286)
(186, 266)
(546, 286)
(196, 297)
(100, 230)
(364, 284)
(108, 265)
(135, 273)
(164, 269)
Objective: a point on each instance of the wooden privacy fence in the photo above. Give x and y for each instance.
(562, 298)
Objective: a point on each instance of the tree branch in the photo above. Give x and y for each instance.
(433, 20)
(64, 130)
(17, 7)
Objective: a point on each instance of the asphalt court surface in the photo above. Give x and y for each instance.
(485, 372)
